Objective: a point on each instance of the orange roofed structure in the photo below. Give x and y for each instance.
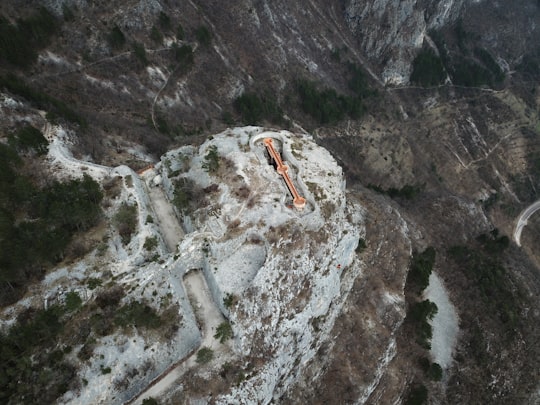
(298, 201)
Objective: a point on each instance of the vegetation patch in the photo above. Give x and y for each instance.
(28, 139)
(428, 69)
(205, 355)
(138, 315)
(223, 332)
(33, 367)
(254, 108)
(407, 192)
(125, 221)
(56, 109)
(483, 267)
(37, 224)
(326, 106)
(20, 43)
(420, 269)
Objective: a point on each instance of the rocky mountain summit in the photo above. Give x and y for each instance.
(152, 248)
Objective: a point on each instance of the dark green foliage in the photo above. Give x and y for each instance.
(116, 38)
(36, 225)
(253, 108)
(211, 160)
(361, 245)
(229, 300)
(156, 35)
(150, 243)
(93, 283)
(183, 55)
(125, 220)
(20, 43)
(32, 370)
(29, 138)
(162, 124)
(419, 314)
(466, 72)
(428, 69)
(56, 108)
(203, 35)
(164, 21)
(150, 401)
(417, 396)
(180, 32)
(205, 355)
(182, 195)
(420, 269)
(105, 370)
(489, 278)
(73, 301)
(327, 106)
(138, 315)
(434, 372)
(223, 332)
(140, 53)
(407, 192)
(493, 243)
(358, 83)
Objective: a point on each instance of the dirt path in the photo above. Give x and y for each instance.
(209, 317)
(171, 230)
(206, 311)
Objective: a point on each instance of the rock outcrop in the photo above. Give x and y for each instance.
(401, 27)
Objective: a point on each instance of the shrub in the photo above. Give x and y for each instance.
(180, 32)
(150, 401)
(205, 355)
(125, 221)
(105, 370)
(183, 55)
(229, 300)
(150, 243)
(211, 160)
(140, 53)
(361, 245)
(434, 372)
(223, 332)
(73, 301)
(419, 314)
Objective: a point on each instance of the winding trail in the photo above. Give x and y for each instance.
(207, 312)
(171, 230)
(522, 220)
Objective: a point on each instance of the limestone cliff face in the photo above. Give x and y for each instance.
(390, 31)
